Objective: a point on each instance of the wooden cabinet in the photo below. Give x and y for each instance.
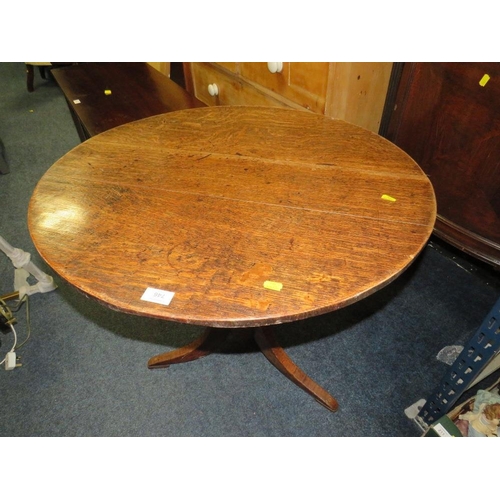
(354, 92)
(447, 117)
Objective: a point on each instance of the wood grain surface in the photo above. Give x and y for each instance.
(136, 90)
(210, 203)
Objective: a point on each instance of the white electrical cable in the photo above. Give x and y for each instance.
(14, 346)
(25, 300)
(6, 312)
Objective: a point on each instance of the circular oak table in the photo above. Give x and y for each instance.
(232, 217)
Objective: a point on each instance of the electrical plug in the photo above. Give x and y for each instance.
(11, 361)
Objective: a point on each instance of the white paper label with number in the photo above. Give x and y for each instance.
(158, 296)
(441, 431)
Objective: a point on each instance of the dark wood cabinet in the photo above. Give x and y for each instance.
(446, 116)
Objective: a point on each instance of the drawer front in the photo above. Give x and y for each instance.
(232, 91)
(304, 83)
(230, 66)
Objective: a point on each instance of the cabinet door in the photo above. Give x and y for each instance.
(304, 83)
(447, 118)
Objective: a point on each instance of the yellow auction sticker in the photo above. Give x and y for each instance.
(387, 197)
(484, 80)
(273, 285)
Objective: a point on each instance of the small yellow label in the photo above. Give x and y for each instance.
(107, 92)
(484, 80)
(273, 285)
(388, 198)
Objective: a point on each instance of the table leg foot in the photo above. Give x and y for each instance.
(277, 356)
(30, 77)
(202, 346)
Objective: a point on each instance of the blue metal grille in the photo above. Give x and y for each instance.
(479, 351)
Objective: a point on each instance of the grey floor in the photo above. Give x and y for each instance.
(84, 368)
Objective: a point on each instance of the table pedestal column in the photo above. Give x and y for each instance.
(266, 340)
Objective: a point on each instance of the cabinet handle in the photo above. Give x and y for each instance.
(275, 67)
(213, 89)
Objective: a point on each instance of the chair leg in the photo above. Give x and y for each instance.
(30, 77)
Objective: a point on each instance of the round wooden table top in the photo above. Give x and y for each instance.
(232, 216)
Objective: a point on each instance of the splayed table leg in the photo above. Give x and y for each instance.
(202, 346)
(277, 356)
(212, 338)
